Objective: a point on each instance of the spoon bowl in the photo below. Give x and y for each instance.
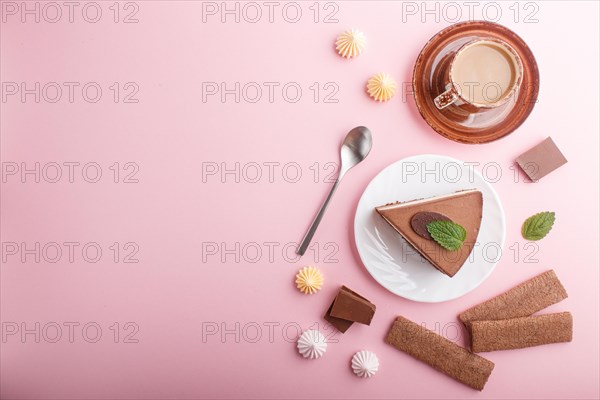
(355, 148)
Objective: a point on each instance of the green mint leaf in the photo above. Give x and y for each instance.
(447, 234)
(537, 226)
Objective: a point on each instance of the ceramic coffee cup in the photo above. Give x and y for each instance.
(483, 73)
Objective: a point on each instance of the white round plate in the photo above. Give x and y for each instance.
(392, 261)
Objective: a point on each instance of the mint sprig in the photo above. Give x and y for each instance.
(447, 234)
(537, 226)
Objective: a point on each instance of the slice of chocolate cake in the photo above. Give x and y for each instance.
(410, 220)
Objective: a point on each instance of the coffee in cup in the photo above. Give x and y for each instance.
(483, 73)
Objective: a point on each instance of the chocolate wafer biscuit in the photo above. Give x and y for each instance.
(518, 333)
(439, 353)
(521, 301)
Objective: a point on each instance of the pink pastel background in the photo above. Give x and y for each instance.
(172, 295)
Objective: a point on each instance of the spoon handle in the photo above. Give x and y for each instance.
(313, 227)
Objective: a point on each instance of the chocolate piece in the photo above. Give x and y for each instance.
(523, 300)
(540, 160)
(342, 324)
(420, 220)
(351, 307)
(518, 333)
(463, 207)
(439, 353)
(347, 289)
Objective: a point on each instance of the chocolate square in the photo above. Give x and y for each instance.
(341, 325)
(352, 305)
(349, 307)
(540, 160)
(347, 289)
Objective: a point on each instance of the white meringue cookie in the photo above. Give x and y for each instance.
(365, 364)
(312, 344)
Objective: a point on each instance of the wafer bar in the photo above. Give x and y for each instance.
(521, 301)
(439, 353)
(518, 333)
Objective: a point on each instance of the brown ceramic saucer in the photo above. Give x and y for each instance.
(453, 122)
